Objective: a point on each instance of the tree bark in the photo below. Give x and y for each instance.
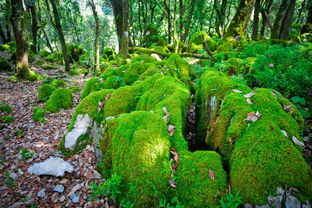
(238, 24)
(2, 34)
(61, 34)
(167, 7)
(121, 14)
(189, 21)
(309, 18)
(286, 25)
(96, 40)
(255, 24)
(34, 26)
(17, 12)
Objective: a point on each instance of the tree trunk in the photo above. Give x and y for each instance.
(223, 14)
(189, 21)
(286, 25)
(61, 34)
(34, 27)
(96, 40)
(121, 14)
(17, 11)
(2, 34)
(283, 19)
(255, 24)
(167, 7)
(309, 18)
(265, 17)
(238, 24)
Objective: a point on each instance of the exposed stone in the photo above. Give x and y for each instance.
(59, 188)
(74, 189)
(292, 202)
(41, 193)
(62, 199)
(53, 166)
(75, 198)
(82, 124)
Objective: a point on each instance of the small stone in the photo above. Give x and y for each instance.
(248, 206)
(74, 189)
(279, 191)
(13, 176)
(41, 193)
(263, 206)
(292, 201)
(59, 188)
(75, 198)
(62, 198)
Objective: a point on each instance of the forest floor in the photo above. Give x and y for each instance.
(19, 188)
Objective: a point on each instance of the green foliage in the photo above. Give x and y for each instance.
(25, 153)
(58, 83)
(301, 104)
(9, 180)
(45, 91)
(4, 64)
(174, 203)
(60, 99)
(286, 69)
(12, 78)
(198, 39)
(5, 108)
(33, 76)
(6, 111)
(38, 114)
(111, 188)
(231, 201)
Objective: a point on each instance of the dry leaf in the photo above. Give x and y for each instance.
(172, 183)
(249, 95)
(284, 132)
(286, 107)
(175, 155)
(237, 91)
(166, 117)
(100, 105)
(171, 130)
(252, 116)
(211, 173)
(273, 93)
(249, 101)
(297, 142)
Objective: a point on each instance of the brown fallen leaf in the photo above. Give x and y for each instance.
(175, 155)
(211, 173)
(172, 183)
(249, 95)
(171, 130)
(166, 117)
(101, 103)
(274, 94)
(253, 117)
(297, 142)
(236, 91)
(249, 101)
(286, 107)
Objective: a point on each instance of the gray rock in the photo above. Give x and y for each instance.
(59, 188)
(292, 202)
(62, 198)
(280, 191)
(41, 193)
(75, 198)
(53, 166)
(13, 176)
(82, 124)
(245, 205)
(74, 189)
(263, 206)
(16, 204)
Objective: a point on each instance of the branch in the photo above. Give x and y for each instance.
(150, 51)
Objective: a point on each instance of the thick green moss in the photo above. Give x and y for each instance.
(38, 114)
(6, 119)
(198, 39)
(60, 99)
(56, 57)
(5, 108)
(139, 153)
(45, 91)
(33, 76)
(58, 83)
(195, 187)
(92, 85)
(261, 157)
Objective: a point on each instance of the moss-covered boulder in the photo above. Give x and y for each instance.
(45, 91)
(60, 99)
(58, 83)
(38, 114)
(92, 85)
(6, 113)
(198, 39)
(256, 133)
(33, 76)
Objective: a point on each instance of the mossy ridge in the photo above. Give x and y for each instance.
(45, 91)
(196, 188)
(92, 85)
(60, 99)
(140, 154)
(198, 39)
(249, 145)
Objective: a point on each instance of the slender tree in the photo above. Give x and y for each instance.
(17, 12)
(97, 38)
(121, 15)
(255, 24)
(34, 24)
(61, 34)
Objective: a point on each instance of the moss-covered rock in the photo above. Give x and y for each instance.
(92, 85)
(33, 76)
(261, 156)
(56, 57)
(198, 39)
(5, 108)
(6, 119)
(45, 91)
(5, 113)
(58, 83)
(60, 99)
(38, 114)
